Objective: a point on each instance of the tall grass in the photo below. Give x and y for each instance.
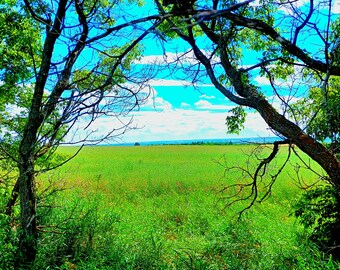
(159, 207)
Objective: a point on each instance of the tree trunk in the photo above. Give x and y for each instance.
(27, 189)
(28, 221)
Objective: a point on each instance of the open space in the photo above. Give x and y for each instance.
(161, 207)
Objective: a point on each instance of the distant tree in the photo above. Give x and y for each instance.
(63, 65)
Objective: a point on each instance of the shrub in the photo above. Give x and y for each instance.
(8, 243)
(318, 210)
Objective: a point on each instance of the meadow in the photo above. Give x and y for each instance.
(161, 207)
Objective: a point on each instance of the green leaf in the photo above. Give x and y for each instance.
(235, 121)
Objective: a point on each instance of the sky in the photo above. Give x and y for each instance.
(176, 110)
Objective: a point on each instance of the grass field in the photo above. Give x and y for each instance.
(160, 207)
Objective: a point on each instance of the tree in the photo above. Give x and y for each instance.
(294, 46)
(81, 71)
(278, 34)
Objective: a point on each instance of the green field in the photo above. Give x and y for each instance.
(160, 207)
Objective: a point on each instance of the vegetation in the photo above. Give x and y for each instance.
(160, 207)
(65, 64)
(318, 210)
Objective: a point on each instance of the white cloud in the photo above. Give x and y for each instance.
(168, 57)
(336, 7)
(261, 80)
(184, 124)
(150, 60)
(14, 110)
(207, 97)
(291, 5)
(185, 58)
(256, 125)
(164, 82)
(157, 103)
(179, 124)
(159, 120)
(204, 104)
(162, 104)
(293, 80)
(185, 105)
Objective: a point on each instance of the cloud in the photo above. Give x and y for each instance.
(168, 58)
(157, 103)
(290, 6)
(164, 82)
(292, 81)
(261, 80)
(185, 58)
(14, 110)
(204, 104)
(336, 7)
(182, 124)
(185, 105)
(207, 97)
(150, 60)
(255, 125)
(162, 104)
(159, 120)
(175, 124)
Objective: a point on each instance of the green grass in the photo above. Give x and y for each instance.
(160, 207)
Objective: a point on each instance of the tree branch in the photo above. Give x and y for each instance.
(266, 29)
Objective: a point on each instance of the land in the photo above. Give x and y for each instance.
(162, 207)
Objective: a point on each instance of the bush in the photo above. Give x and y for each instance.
(8, 243)
(72, 232)
(318, 210)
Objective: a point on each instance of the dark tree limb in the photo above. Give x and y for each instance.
(256, 177)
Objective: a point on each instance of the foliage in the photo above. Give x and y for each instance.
(319, 211)
(19, 50)
(8, 243)
(320, 113)
(235, 121)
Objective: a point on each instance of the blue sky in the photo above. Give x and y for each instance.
(176, 110)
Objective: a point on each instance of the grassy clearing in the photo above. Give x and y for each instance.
(159, 207)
